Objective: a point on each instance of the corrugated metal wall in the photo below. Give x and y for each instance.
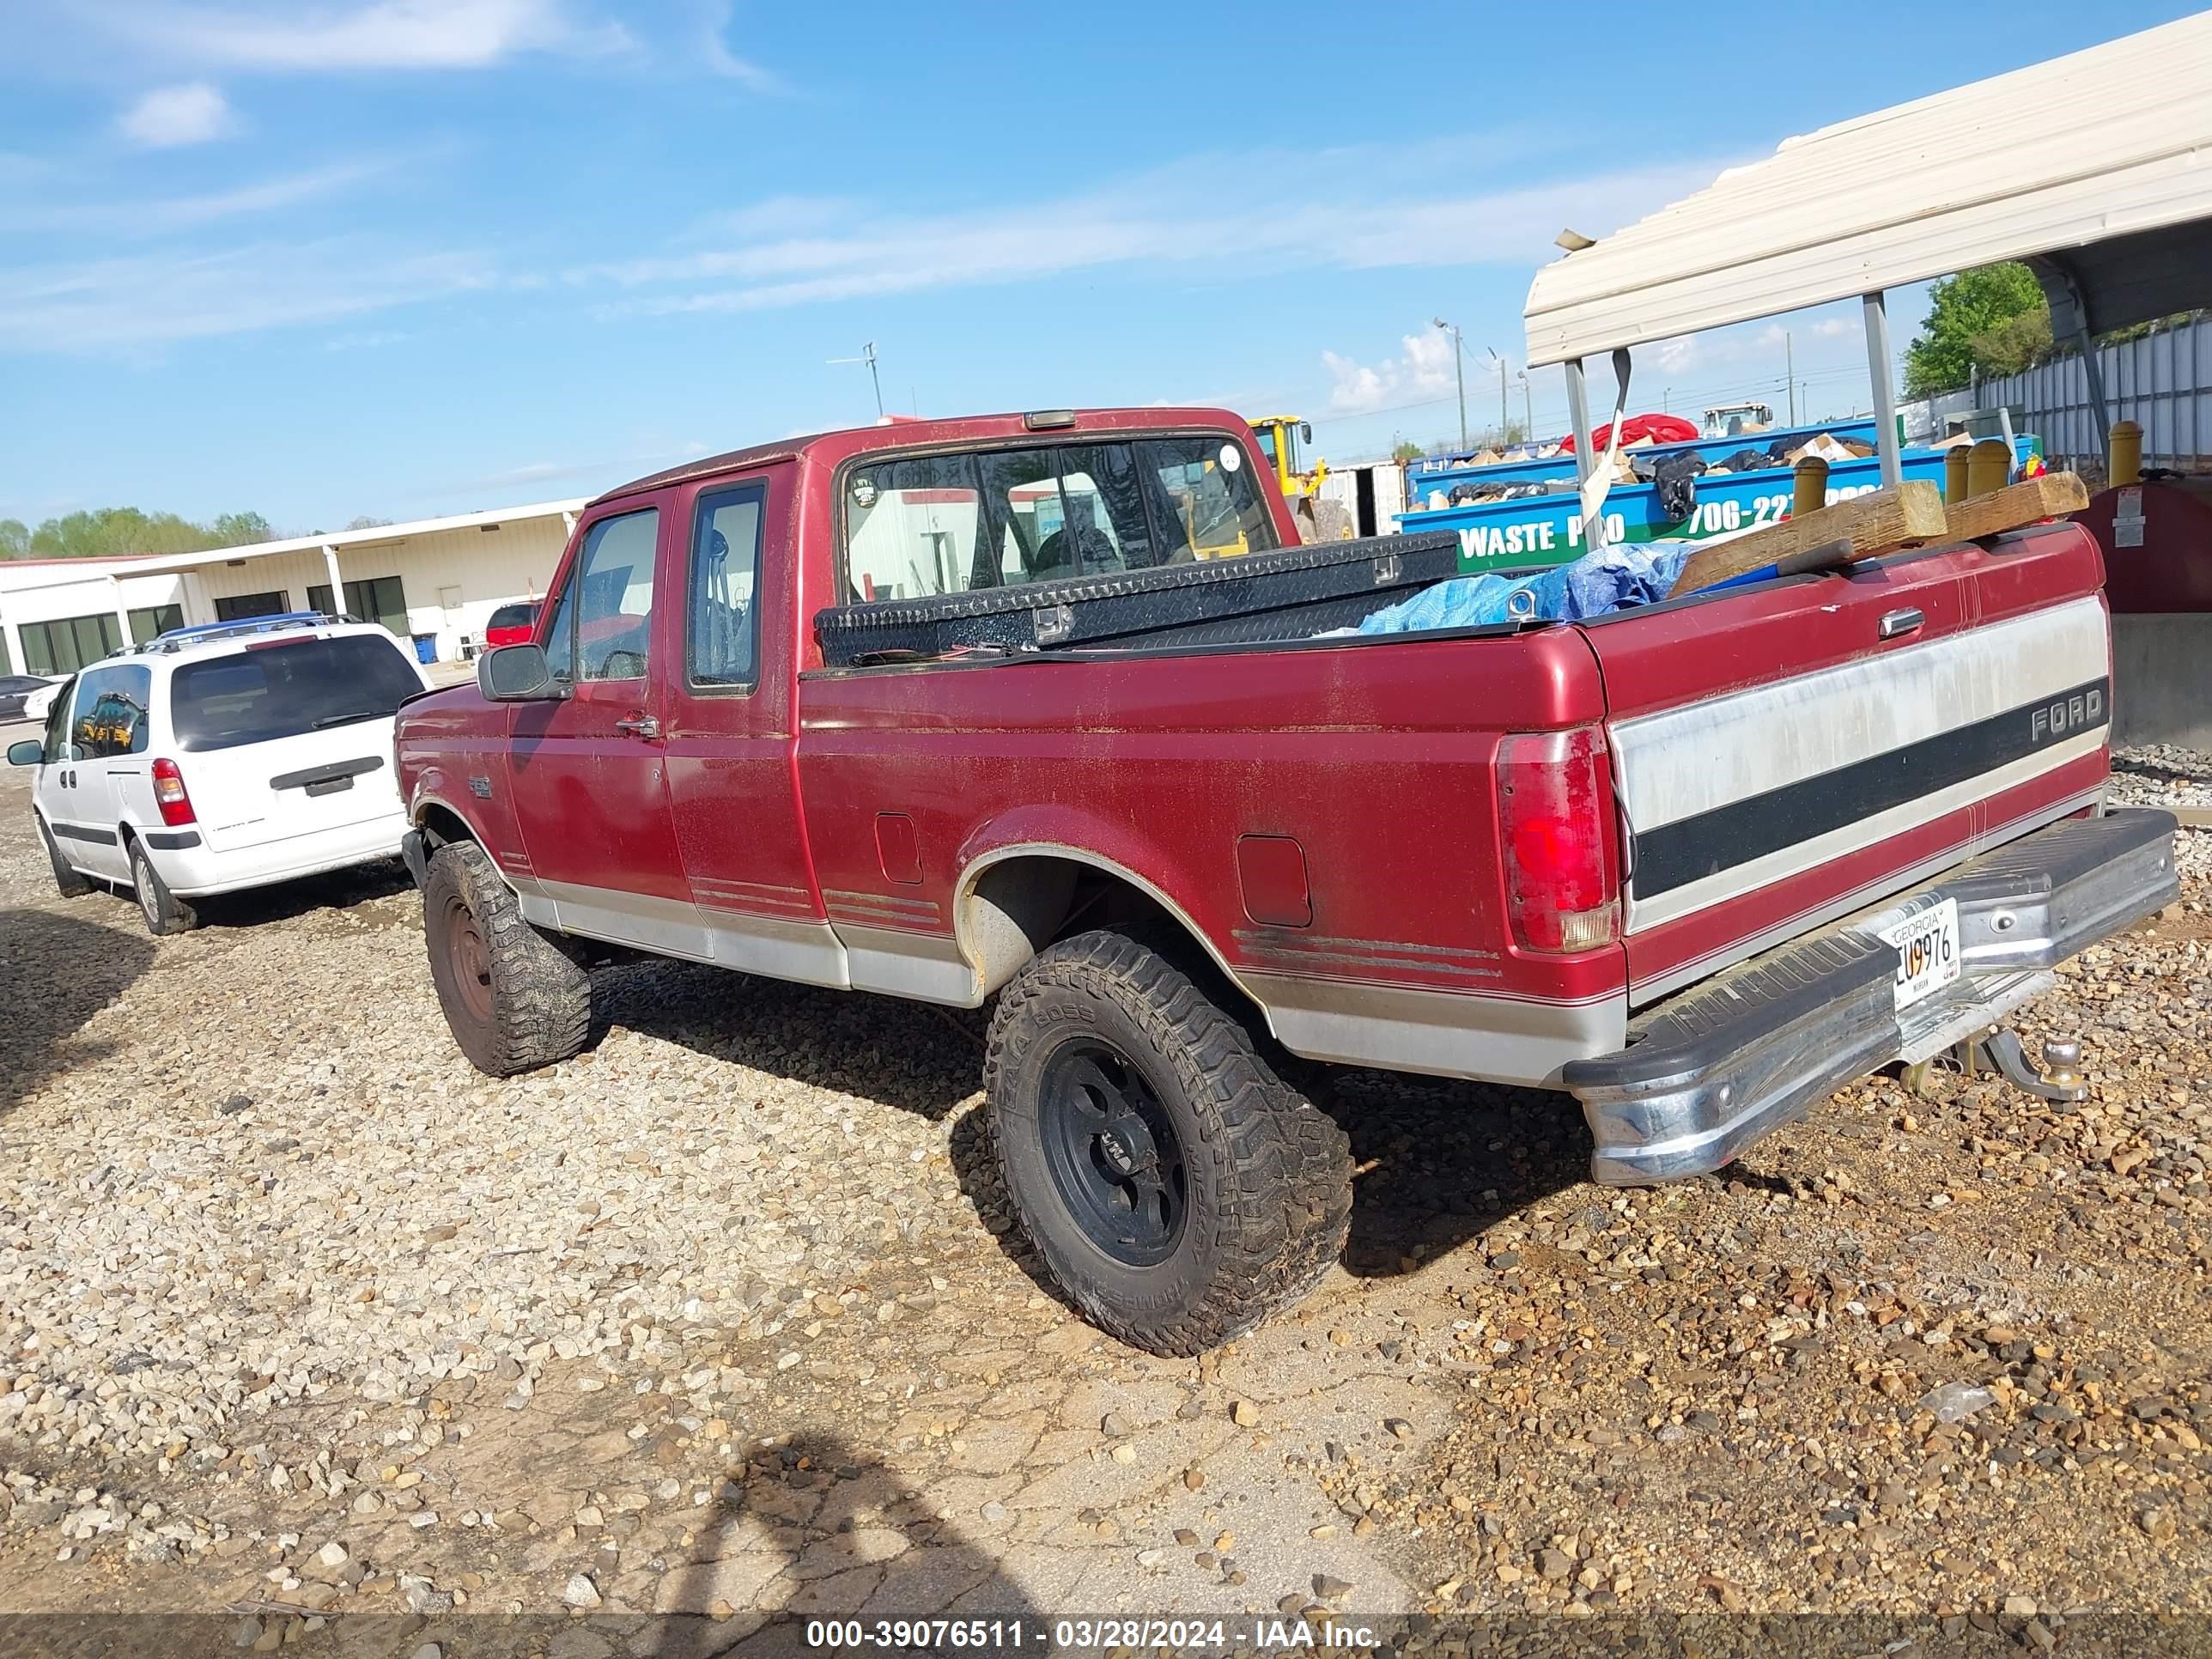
(2162, 381)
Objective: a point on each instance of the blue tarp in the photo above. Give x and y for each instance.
(1607, 581)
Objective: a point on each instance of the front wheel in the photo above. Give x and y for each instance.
(165, 912)
(513, 1001)
(1177, 1188)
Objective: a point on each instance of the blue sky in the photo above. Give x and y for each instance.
(322, 258)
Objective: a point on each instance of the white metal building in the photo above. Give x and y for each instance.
(434, 577)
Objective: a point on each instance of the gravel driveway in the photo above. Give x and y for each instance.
(301, 1315)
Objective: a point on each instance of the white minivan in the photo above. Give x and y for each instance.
(223, 756)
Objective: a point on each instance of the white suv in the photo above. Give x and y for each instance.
(225, 756)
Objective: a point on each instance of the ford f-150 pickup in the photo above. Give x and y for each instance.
(1697, 863)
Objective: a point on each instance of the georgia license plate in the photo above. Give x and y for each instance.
(1927, 944)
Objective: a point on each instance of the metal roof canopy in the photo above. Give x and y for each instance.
(2094, 169)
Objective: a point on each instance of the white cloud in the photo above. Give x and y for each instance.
(715, 50)
(791, 252)
(148, 218)
(1424, 371)
(140, 301)
(171, 115)
(422, 34)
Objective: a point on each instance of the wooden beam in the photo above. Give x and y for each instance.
(1878, 522)
(2009, 508)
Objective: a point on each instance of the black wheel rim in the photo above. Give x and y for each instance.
(469, 961)
(1114, 1154)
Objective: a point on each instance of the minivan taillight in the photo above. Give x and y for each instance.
(1562, 877)
(169, 794)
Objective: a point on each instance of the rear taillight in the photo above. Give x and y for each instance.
(1562, 878)
(169, 794)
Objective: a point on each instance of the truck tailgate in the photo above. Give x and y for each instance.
(1792, 752)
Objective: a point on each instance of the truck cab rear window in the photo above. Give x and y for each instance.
(282, 691)
(944, 523)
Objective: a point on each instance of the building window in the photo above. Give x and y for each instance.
(378, 599)
(239, 606)
(154, 619)
(63, 647)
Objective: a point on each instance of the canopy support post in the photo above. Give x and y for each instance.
(1885, 392)
(1578, 414)
(2095, 371)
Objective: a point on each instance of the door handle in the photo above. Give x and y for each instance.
(639, 725)
(1899, 624)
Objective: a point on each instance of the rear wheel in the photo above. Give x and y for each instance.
(67, 882)
(1176, 1187)
(165, 912)
(514, 1000)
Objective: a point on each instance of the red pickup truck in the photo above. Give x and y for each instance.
(1697, 863)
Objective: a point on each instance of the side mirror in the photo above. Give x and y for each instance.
(516, 673)
(1305, 432)
(29, 752)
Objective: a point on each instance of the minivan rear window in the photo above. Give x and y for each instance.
(281, 690)
(514, 616)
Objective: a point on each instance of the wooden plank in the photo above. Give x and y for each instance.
(1875, 523)
(2189, 818)
(2016, 505)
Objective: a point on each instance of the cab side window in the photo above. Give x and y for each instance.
(109, 707)
(605, 614)
(722, 623)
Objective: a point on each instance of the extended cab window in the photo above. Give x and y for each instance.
(721, 626)
(604, 613)
(111, 712)
(927, 524)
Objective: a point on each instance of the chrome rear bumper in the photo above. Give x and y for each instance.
(1759, 1045)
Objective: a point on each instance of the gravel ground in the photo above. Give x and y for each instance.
(300, 1315)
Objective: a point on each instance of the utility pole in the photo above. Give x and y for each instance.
(868, 357)
(1459, 375)
(1528, 410)
(1667, 401)
(1789, 370)
(1504, 420)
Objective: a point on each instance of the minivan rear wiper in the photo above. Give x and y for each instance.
(341, 720)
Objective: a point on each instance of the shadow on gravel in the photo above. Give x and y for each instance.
(1448, 1159)
(335, 890)
(56, 973)
(861, 1544)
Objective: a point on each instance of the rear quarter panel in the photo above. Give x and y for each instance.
(1377, 758)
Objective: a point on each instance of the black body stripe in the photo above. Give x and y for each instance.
(168, 841)
(1674, 854)
(84, 832)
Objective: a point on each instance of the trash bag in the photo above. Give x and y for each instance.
(1676, 476)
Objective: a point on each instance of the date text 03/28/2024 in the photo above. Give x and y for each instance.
(1081, 1635)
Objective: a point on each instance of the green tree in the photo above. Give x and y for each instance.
(1407, 450)
(2017, 343)
(239, 530)
(119, 532)
(1962, 311)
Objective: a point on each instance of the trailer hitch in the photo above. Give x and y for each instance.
(2060, 1079)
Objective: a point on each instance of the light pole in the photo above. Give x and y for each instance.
(868, 357)
(1501, 418)
(1459, 374)
(1527, 410)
